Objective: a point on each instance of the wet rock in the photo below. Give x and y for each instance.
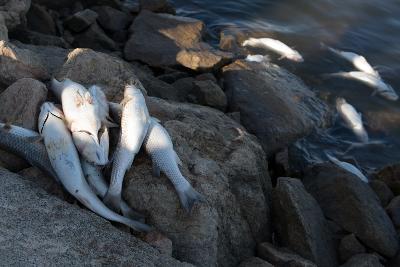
(40, 20)
(95, 38)
(158, 6)
(112, 19)
(226, 165)
(382, 191)
(283, 107)
(352, 204)
(3, 29)
(16, 63)
(36, 38)
(363, 260)
(282, 256)
(160, 242)
(302, 226)
(14, 12)
(81, 20)
(203, 59)
(391, 176)
(350, 246)
(44, 229)
(210, 94)
(255, 262)
(228, 42)
(393, 209)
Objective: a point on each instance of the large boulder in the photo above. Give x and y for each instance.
(393, 209)
(382, 190)
(350, 246)
(94, 37)
(163, 40)
(37, 38)
(40, 20)
(363, 260)
(81, 20)
(112, 19)
(40, 229)
(300, 224)
(391, 176)
(160, 6)
(14, 12)
(353, 205)
(224, 163)
(274, 104)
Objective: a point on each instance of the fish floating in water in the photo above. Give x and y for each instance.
(65, 161)
(352, 118)
(256, 58)
(276, 46)
(135, 122)
(348, 167)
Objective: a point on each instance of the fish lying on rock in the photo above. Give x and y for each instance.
(82, 118)
(276, 46)
(135, 122)
(352, 118)
(101, 105)
(256, 58)
(348, 167)
(65, 161)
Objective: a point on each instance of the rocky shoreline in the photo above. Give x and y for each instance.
(232, 123)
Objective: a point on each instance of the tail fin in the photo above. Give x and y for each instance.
(135, 225)
(188, 197)
(131, 213)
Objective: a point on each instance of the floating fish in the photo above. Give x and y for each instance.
(348, 167)
(255, 58)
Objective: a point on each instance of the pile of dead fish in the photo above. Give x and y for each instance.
(73, 146)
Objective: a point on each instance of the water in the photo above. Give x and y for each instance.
(368, 27)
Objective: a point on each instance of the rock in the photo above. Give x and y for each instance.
(172, 77)
(56, 5)
(110, 3)
(224, 163)
(391, 176)
(228, 42)
(160, 242)
(95, 38)
(363, 260)
(210, 94)
(203, 59)
(206, 77)
(393, 209)
(14, 12)
(382, 191)
(353, 205)
(16, 63)
(43, 229)
(255, 262)
(3, 29)
(40, 20)
(185, 89)
(112, 19)
(36, 38)
(81, 20)
(350, 246)
(234, 116)
(282, 256)
(159, 6)
(300, 224)
(283, 107)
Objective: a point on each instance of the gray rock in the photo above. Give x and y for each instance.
(391, 176)
(274, 104)
(206, 77)
(353, 205)
(300, 224)
(112, 19)
(160, 242)
(210, 94)
(40, 20)
(185, 89)
(110, 3)
(203, 58)
(172, 77)
(42, 230)
(56, 5)
(81, 20)
(282, 256)
(37, 38)
(3, 29)
(382, 191)
(393, 209)
(255, 262)
(225, 164)
(94, 37)
(14, 12)
(158, 6)
(350, 246)
(363, 260)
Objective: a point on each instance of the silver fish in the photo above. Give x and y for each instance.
(348, 167)
(134, 125)
(101, 105)
(65, 161)
(159, 146)
(352, 118)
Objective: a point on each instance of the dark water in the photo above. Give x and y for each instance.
(367, 27)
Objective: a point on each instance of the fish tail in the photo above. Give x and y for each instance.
(131, 213)
(113, 201)
(136, 225)
(189, 197)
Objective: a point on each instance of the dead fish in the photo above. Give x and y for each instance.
(65, 161)
(256, 58)
(276, 46)
(348, 167)
(101, 105)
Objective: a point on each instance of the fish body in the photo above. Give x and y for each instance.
(379, 86)
(352, 118)
(65, 161)
(348, 167)
(134, 125)
(159, 146)
(276, 46)
(255, 58)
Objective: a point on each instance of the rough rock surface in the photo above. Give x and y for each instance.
(3, 29)
(363, 260)
(225, 164)
(40, 20)
(274, 104)
(14, 12)
(391, 176)
(393, 209)
(37, 229)
(204, 58)
(282, 256)
(37, 38)
(382, 191)
(81, 20)
(160, 242)
(160, 6)
(350, 246)
(352, 204)
(94, 37)
(300, 224)
(255, 262)
(112, 19)
(210, 94)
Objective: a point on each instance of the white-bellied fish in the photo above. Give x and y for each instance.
(65, 161)
(352, 118)
(135, 122)
(256, 58)
(348, 167)
(276, 46)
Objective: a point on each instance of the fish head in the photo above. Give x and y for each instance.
(134, 89)
(89, 148)
(296, 57)
(389, 93)
(48, 108)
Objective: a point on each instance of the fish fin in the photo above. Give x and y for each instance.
(156, 170)
(189, 197)
(113, 201)
(178, 160)
(131, 213)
